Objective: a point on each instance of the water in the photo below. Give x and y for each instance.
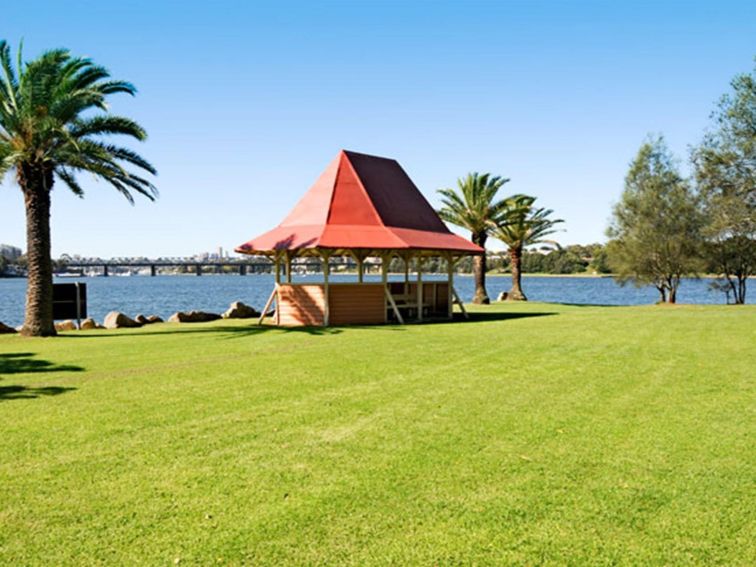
(164, 295)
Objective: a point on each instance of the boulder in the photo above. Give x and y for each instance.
(239, 310)
(117, 320)
(503, 296)
(142, 320)
(5, 329)
(66, 325)
(89, 324)
(192, 317)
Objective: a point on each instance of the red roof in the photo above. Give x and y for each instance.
(361, 201)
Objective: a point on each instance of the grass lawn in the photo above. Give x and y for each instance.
(535, 434)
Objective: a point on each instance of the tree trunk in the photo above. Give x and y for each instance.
(479, 270)
(36, 183)
(672, 297)
(515, 256)
(673, 284)
(740, 294)
(662, 293)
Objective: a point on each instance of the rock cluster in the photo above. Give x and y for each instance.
(142, 320)
(192, 317)
(88, 324)
(117, 320)
(67, 325)
(239, 310)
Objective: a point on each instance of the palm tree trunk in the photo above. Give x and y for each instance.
(479, 270)
(516, 294)
(36, 184)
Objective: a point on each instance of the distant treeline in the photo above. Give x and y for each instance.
(572, 259)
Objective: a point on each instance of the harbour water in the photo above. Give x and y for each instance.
(164, 295)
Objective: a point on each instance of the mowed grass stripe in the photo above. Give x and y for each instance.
(534, 434)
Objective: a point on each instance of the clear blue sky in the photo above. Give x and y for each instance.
(246, 102)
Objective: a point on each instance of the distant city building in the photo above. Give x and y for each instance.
(10, 253)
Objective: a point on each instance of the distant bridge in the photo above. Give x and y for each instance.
(191, 266)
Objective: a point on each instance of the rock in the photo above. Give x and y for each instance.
(154, 319)
(239, 310)
(192, 317)
(503, 296)
(5, 329)
(66, 325)
(88, 324)
(117, 320)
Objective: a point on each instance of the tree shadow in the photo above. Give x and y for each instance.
(229, 332)
(28, 392)
(189, 328)
(23, 363)
(480, 316)
(592, 305)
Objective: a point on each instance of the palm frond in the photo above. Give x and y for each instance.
(520, 224)
(54, 114)
(473, 204)
(100, 125)
(70, 180)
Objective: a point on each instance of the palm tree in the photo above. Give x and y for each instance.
(53, 115)
(473, 206)
(519, 226)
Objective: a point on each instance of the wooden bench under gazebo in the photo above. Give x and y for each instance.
(364, 207)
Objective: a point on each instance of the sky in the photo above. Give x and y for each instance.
(247, 102)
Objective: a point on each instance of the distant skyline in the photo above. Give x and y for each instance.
(247, 102)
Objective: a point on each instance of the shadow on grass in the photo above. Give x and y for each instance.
(28, 392)
(253, 329)
(188, 328)
(23, 363)
(479, 316)
(591, 305)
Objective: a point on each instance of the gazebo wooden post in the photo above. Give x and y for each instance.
(287, 256)
(385, 259)
(274, 293)
(450, 276)
(419, 288)
(326, 257)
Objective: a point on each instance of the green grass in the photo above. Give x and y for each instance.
(552, 435)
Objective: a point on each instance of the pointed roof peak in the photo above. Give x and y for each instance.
(363, 201)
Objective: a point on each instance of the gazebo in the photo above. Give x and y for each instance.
(362, 207)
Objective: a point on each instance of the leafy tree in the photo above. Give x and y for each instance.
(725, 168)
(656, 226)
(600, 261)
(474, 206)
(53, 117)
(520, 225)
